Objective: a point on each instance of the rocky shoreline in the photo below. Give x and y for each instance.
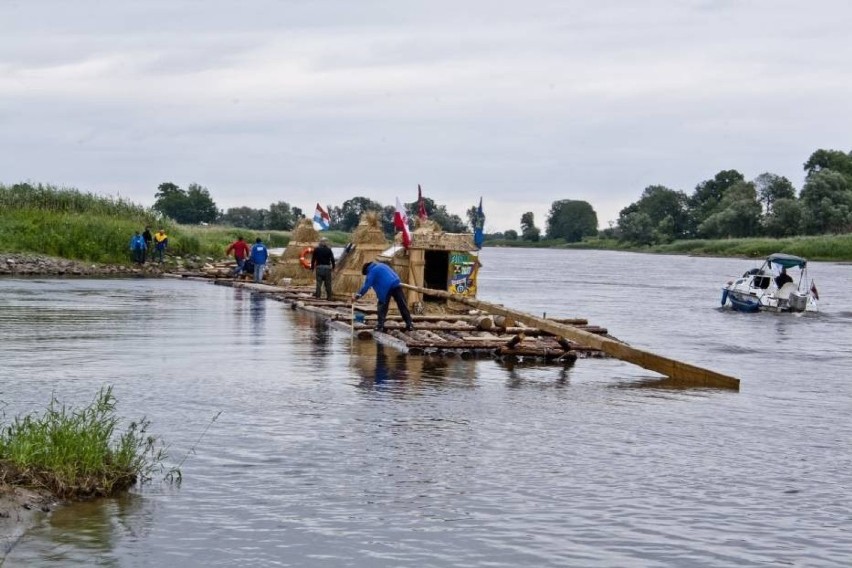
(28, 264)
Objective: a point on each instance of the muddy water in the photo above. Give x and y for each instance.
(299, 448)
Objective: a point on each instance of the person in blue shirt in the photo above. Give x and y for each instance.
(386, 283)
(137, 247)
(259, 255)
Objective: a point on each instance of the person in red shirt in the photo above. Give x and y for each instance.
(241, 252)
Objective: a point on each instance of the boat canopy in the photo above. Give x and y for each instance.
(786, 260)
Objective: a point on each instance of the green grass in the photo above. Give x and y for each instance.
(79, 453)
(824, 247)
(80, 226)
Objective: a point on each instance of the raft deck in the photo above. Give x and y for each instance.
(472, 335)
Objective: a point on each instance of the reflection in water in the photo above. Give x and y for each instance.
(435, 461)
(257, 310)
(517, 377)
(78, 532)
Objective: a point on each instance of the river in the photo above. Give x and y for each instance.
(300, 448)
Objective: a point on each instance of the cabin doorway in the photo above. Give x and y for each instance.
(436, 270)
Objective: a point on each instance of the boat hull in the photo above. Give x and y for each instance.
(740, 303)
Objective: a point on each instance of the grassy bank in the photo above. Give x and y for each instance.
(70, 224)
(78, 453)
(825, 247)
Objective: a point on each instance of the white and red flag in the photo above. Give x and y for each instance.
(400, 221)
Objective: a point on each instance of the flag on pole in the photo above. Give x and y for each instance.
(479, 226)
(321, 219)
(814, 290)
(400, 221)
(421, 206)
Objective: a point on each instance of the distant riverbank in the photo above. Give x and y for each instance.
(837, 248)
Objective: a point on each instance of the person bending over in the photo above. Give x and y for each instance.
(386, 283)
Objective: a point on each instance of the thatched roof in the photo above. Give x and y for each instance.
(428, 235)
(368, 241)
(288, 266)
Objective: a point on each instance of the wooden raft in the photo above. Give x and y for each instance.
(669, 367)
(441, 335)
(496, 331)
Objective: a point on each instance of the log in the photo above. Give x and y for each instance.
(685, 372)
(484, 322)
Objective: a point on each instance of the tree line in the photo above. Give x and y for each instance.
(722, 207)
(568, 219)
(730, 206)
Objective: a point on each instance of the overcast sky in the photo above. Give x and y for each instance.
(520, 102)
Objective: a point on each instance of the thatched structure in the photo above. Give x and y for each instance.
(288, 265)
(368, 241)
(437, 260)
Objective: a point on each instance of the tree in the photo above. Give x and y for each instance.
(352, 209)
(245, 217)
(192, 206)
(281, 217)
(529, 232)
(736, 215)
(827, 203)
(449, 222)
(785, 219)
(636, 227)
(771, 188)
(666, 211)
(511, 235)
(708, 194)
(833, 160)
(200, 206)
(170, 201)
(571, 220)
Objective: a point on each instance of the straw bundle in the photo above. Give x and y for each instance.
(288, 265)
(368, 241)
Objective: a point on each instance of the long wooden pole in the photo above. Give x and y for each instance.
(678, 370)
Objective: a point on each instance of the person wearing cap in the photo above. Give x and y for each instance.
(258, 256)
(322, 263)
(386, 283)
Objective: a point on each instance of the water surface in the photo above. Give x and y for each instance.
(327, 452)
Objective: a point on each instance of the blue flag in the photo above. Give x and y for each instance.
(479, 226)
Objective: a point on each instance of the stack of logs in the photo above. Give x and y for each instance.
(483, 336)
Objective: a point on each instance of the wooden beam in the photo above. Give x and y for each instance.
(685, 372)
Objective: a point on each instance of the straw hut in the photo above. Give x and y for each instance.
(368, 242)
(442, 261)
(289, 264)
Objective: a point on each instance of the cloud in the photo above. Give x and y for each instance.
(523, 103)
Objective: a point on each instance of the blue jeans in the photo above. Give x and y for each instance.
(241, 262)
(258, 272)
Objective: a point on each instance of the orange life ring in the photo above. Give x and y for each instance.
(304, 258)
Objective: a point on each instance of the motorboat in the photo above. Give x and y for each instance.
(771, 288)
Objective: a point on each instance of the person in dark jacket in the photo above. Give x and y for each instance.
(386, 283)
(322, 263)
(148, 238)
(782, 278)
(258, 256)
